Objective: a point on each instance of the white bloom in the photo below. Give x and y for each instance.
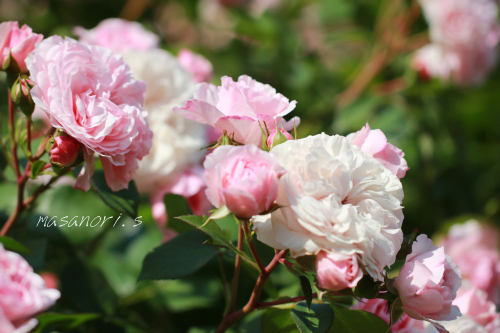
(335, 198)
(176, 140)
(463, 324)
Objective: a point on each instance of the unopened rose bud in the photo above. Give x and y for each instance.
(337, 271)
(277, 137)
(66, 152)
(243, 178)
(21, 94)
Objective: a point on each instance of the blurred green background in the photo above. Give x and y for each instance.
(346, 62)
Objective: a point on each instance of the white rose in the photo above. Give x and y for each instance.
(335, 198)
(463, 324)
(176, 140)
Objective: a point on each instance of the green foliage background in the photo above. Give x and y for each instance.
(310, 51)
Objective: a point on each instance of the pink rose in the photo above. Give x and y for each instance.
(375, 143)
(379, 308)
(23, 294)
(92, 96)
(119, 36)
(65, 151)
(200, 68)
(238, 107)
(337, 271)
(428, 283)
(464, 36)
(17, 42)
(244, 178)
(473, 303)
(474, 248)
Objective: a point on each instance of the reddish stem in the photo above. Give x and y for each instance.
(251, 245)
(232, 318)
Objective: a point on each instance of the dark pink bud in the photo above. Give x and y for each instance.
(66, 151)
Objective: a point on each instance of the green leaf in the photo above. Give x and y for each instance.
(396, 310)
(216, 235)
(355, 321)
(219, 213)
(36, 167)
(13, 245)
(277, 321)
(367, 288)
(318, 319)
(63, 321)
(179, 257)
(306, 289)
(124, 201)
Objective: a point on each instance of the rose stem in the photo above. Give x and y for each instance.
(231, 318)
(237, 267)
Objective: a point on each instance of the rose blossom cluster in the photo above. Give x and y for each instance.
(23, 294)
(335, 198)
(464, 37)
(174, 162)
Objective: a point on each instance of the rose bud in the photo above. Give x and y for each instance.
(428, 283)
(375, 143)
(66, 152)
(16, 44)
(337, 271)
(244, 178)
(21, 94)
(278, 136)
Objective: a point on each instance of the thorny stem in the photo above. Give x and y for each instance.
(12, 128)
(237, 267)
(252, 303)
(28, 133)
(22, 179)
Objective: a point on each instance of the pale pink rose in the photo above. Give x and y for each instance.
(244, 178)
(65, 151)
(473, 303)
(379, 308)
(337, 271)
(465, 34)
(375, 143)
(119, 35)
(238, 107)
(428, 283)
(200, 68)
(474, 248)
(90, 94)
(23, 294)
(18, 42)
